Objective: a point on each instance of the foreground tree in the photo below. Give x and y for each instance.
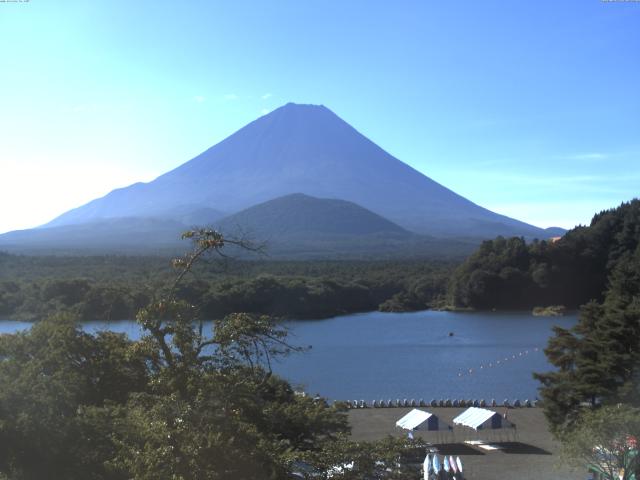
(215, 410)
(606, 440)
(598, 360)
(52, 380)
(387, 459)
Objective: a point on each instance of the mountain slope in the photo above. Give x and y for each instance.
(308, 149)
(123, 235)
(299, 215)
(299, 226)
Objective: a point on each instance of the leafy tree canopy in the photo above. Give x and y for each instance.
(607, 441)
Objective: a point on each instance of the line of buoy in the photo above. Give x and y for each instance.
(471, 371)
(352, 404)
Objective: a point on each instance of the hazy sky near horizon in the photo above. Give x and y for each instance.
(531, 109)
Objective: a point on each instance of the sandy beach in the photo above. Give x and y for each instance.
(527, 452)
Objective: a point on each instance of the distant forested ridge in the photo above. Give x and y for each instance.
(509, 273)
(116, 287)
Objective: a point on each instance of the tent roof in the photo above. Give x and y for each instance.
(473, 417)
(412, 419)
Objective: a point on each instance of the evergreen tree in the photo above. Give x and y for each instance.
(598, 360)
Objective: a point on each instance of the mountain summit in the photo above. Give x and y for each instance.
(306, 149)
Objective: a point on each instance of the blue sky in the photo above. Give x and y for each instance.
(531, 109)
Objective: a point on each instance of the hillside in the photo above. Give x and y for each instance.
(301, 226)
(299, 215)
(509, 273)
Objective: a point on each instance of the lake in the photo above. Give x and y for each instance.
(379, 355)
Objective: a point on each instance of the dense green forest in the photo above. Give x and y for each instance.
(116, 287)
(509, 273)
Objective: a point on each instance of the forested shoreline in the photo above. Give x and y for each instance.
(513, 274)
(115, 288)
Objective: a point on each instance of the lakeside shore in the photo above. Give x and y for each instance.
(528, 453)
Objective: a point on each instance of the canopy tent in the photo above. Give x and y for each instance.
(415, 418)
(481, 419)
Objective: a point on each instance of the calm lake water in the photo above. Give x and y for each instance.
(408, 355)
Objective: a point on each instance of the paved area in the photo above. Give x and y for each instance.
(527, 452)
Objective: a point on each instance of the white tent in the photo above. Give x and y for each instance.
(481, 419)
(415, 418)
